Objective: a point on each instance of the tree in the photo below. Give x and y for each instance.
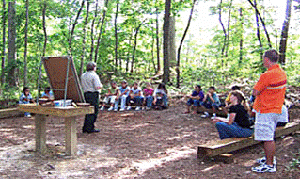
(44, 26)
(157, 41)
(3, 42)
(180, 45)
(11, 78)
(166, 41)
(25, 43)
(285, 32)
(116, 37)
(84, 38)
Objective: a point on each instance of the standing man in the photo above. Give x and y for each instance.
(269, 92)
(91, 85)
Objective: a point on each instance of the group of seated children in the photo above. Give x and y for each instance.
(209, 100)
(126, 97)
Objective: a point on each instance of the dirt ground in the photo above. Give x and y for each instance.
(144, 144)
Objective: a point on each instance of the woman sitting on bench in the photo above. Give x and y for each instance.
(237, 125)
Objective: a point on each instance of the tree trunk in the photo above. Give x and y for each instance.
(242, 38)
(116, 36)
(285, 32)
(25, 44)
(44, 27)
(157, 42)
(84, 38)
(180, 45)
(101, 29)
(128, 53)
(172, 42)
(3, 42)
(228, 29)
(11, 44)
(73, 27)
(262, 22)
(224, 30)
(166, 75)
(92, 32)
(258, 30)
(134, 46)
(152, 50)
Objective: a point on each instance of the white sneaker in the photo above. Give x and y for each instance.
(28, 115)
(128, 108)
(214, 116)
(205, 114)
(263, 160)
(116, 110)
(122, 109)
(102, 108)
(137, 108)
(264, 168)
(148, 108)
(110, 108)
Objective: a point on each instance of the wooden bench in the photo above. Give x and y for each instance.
(225, 146)
(10, 112)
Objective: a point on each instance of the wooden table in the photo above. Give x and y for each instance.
(69, 113)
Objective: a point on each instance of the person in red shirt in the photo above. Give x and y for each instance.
(269, 92)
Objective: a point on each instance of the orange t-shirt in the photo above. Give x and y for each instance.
(272, 86)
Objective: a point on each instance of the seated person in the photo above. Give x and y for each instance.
(227, 100)
(148, 92)
(238, 124)
(195, 99)
(110, 96)
(135, 96)
(122, 94)
(48, 94)
(160, 100)
(26, 98)
(210, 100)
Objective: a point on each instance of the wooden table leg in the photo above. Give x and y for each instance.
(71, 136)
(40, 133)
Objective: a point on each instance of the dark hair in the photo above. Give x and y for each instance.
(135, 83)
(198, 86)
(124, 81)
(162, 86)
(272, 55)
(213, 88)
(235, 87)
(113, 82)
(24, 89)
(47, 89)
(90, 66)
(240, 96)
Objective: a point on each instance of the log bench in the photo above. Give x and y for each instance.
(10, 112)
(225, 146)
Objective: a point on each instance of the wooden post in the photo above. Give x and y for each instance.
(71, 137)
(40, 133)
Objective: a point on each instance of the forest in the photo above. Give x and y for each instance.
(179, 42)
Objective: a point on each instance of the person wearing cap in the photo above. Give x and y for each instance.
(123, 92)
(91, 86)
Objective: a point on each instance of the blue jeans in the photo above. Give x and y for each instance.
(149, 100)
(25, 102)
(209, 105)
(121, 99)
(195, 102)
(163, 99)
(232, 131)
(138, 100)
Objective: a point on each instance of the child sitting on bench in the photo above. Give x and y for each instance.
(26, 98)
(194, 99)
(148, 92)
(123, 92)
(211, 100)
(110, 96)
(160, 97)
(135, 97)
(237, 125)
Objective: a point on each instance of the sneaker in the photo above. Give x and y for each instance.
(122, 109)
(128, 108)
(116, 110)
(110, 108)
(148, 108)
(263, 160)
(205, 114)
(102, 108)
(28, 116)
(264, 168)
(137, 108)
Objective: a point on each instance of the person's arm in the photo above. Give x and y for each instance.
(210, 96)
(205, 98)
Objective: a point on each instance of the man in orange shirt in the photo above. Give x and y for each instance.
(269, 92)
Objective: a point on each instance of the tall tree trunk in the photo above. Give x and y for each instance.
(3, 42)
(262, 21)
(134, 46)
(73, 27)
(242, 37)
(92, 32)
(11, 78)
(228, 29)
(25, 44)
(128, 53)
(285, 32)
(166, 75)
(116, 37)
(224, 30)
(152, 51)
(44, 26)
(101, 29)
(180, 45)
(172, 42)
(258, 30)
(157, 42)
(84, 38)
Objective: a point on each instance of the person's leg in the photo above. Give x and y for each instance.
(269, 148)
(165, 101)
(112, 100)
(149, 100)
(123, 101)
(196, 104)
(89, 118)
(188, 105)
(223, 129)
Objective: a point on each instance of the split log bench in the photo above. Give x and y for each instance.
(69, 113)
(10, 112)
(219, 147)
